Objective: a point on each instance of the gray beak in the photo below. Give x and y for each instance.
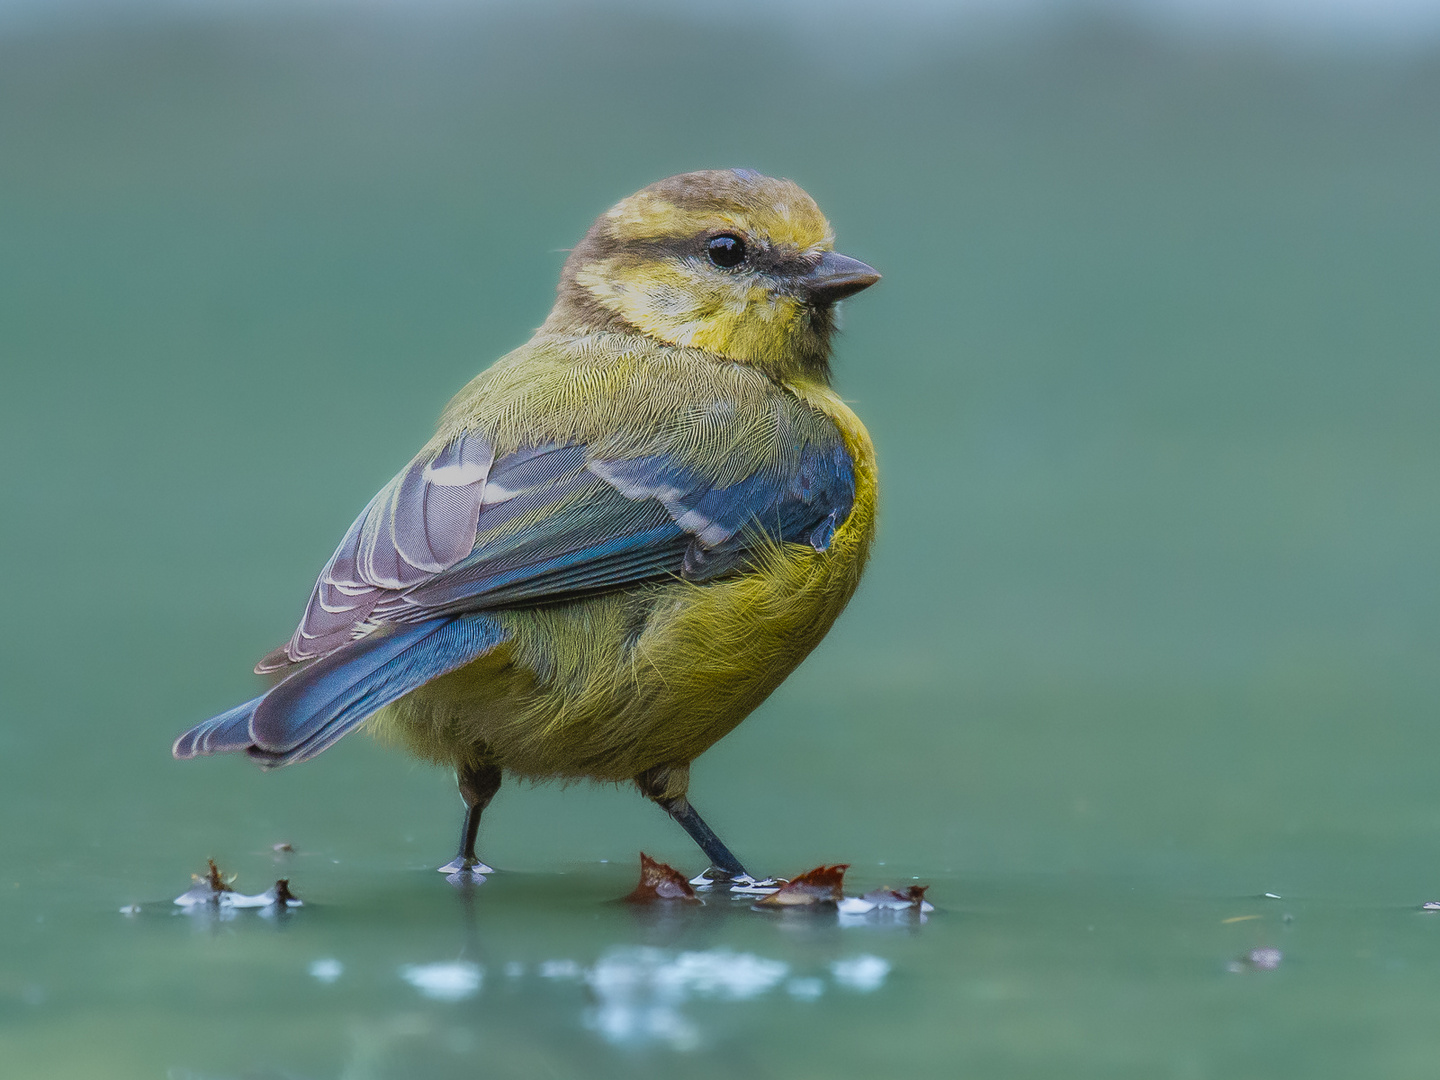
(835, 277)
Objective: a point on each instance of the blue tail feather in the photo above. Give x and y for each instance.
(315, 707)
(223, 734)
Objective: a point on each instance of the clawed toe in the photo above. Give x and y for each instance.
(462, 865)
(742, 883)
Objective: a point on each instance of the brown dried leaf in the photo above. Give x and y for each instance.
(823, 885)
(217, 881)
(211, 888)
(660, 882)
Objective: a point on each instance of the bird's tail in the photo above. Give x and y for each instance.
(223, 734)
(312, 709)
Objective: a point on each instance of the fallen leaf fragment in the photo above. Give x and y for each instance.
(660, 882)
(208, 888)
(281, 896)
(912, 899)
(215, 890)
(823, 885)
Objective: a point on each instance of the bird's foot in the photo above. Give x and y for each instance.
(463, 864)
(741, 884)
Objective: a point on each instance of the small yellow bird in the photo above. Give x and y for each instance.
(622, 537)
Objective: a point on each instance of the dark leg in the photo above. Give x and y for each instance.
(666, 786)
(478, 785)
(714, 848)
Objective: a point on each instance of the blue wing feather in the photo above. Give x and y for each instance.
(614, 523)
(545, 523)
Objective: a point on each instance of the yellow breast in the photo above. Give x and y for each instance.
(720, 649)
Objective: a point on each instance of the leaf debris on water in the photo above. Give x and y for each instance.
(660, 882)
(283, 897)
(210, 887)
(214, 889)
(823, 885)
(912, 899)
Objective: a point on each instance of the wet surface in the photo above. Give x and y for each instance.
(395, 974)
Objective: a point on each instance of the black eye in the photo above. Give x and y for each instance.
(726, 251)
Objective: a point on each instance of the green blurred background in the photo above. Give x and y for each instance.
(1150, 627)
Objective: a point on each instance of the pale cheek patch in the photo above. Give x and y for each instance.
(600, 281)
(683, 302)
(674, 302)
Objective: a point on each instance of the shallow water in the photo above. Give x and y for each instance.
(388, 972)
(1149, 632)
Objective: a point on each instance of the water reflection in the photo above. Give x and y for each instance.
(638, 993)
(404, 976)
(453, 981)
(862, 973)
(326, 970)
(652, 992)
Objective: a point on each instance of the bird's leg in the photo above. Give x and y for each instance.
(719, 855)
(667, 785)
(478, 784)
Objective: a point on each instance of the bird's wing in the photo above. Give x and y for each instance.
(461, 531)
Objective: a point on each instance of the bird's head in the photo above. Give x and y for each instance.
(729, 261)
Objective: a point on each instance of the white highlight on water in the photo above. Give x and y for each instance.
(453, 981)
(806, 989)
(327, 970)
(640, 991)
(861, 973)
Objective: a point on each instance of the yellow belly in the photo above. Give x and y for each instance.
(612, 685)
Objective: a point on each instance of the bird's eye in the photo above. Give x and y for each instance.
(726, 252)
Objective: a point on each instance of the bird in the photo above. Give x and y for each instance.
(623, 535)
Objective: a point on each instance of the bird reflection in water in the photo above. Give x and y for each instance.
(639, 995)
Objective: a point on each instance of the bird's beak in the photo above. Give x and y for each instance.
(835, 277)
